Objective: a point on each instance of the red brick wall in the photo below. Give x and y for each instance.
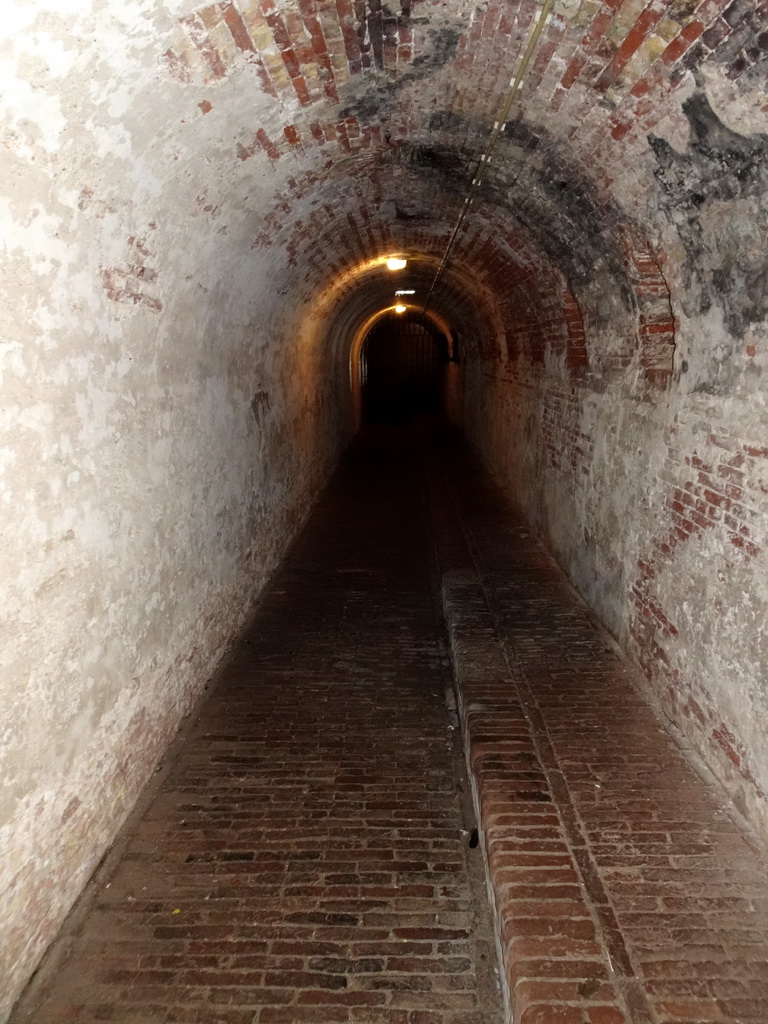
(192, 196)
(650, 491)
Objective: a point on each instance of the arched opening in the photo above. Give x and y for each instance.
(401, 364)
(199, 315)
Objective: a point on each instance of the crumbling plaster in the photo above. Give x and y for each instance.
(167, 421)
(191, 196)
(655, 502)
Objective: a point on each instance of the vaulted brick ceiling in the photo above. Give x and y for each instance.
(198, 202)
(370, 123)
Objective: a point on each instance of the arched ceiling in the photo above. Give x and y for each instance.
(196, 200)
(313, 136)
(368, 122)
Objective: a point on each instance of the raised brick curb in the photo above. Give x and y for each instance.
(624, 887)
(556, 970)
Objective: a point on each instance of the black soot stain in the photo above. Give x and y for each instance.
(380, 95)
(553, 198)
(716, 192)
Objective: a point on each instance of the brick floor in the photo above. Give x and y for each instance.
(305, 858)
(624, 890)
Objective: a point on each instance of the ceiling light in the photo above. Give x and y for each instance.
(406, 291)
(400, 309)
(396, 263)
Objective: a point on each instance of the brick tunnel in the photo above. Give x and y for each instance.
(384, 642)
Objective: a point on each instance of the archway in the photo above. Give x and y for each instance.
(401, 362)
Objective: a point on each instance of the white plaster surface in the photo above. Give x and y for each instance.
(171, 405)
(143, 506)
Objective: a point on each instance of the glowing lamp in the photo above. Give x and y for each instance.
(399, 309)
(396, 263)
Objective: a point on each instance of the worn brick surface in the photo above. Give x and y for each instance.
(624, 890)
(198, 200)
(304, 859)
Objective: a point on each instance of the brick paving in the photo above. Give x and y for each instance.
(624, 890)
(305, 859)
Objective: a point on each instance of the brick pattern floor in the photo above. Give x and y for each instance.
(624, 891)
(305, 858)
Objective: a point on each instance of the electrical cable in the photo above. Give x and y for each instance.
(498, 128)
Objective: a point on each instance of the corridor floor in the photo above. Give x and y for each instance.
(307, 858)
